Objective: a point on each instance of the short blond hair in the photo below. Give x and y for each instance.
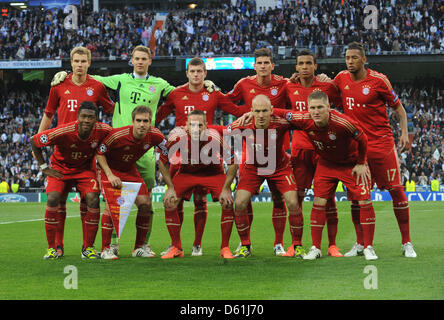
(143, 49)
(82, 51)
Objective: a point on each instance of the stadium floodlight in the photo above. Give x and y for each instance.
(17, 4)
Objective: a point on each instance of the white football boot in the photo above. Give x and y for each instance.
(370, 254)
(356, 250)
(407, 249)
(313, 254)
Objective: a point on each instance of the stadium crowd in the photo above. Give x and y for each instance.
(22, 108)
(412, 27)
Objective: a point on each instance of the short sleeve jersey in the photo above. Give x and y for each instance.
(297, 95)
(366, 102)
(72, 154)
(66, 97)
(338, 142)
(182, 101)
(122, 150)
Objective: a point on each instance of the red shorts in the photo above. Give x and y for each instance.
(282, 180)
(303, 163)
(329, 174)
(85, 182)
(174, 169)
(186, 183)
(385, 169)
(131, 176)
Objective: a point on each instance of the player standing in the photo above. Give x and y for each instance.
(303, 156)
(273, 86)
(71, 165)
(342, 147)
(182, 101)
(117, 157)
(64, 100)
(365, 97)
(265, 160)
(200, 152)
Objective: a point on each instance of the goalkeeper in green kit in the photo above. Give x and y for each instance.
(132, 90)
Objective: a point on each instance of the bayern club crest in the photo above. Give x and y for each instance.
(205, 97)
(332, 136)
(146, 147)
(89, 91)
(94, 144)
(274, 91)
(365, 90)
(120, 201)
(152, 89)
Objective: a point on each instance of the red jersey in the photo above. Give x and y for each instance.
(182, 100)
(297, 94)
(247, 88)
(122, 150)
(365, 102)
(263, 147)
(200, 158)
(342, 141)
(71, 153)
(66, 97)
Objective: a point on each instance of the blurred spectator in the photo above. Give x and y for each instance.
(233, 27)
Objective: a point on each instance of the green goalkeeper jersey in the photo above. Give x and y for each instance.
(133, 92)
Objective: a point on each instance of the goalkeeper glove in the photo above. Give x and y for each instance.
(59, 77)
(210, 86)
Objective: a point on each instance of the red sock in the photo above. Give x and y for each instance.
(173, 226)
(368, 223)
(250, 213)
(331, 213)
(226, 225)
(296, 221)
(142, 226)
(61, 217)
(83, 210)
(200, 219)
(401, 209)
(107, 229)
(279, 218)
(243, 226)
(180, 211)
(355, 213)
(51, 225)
(92, 225)
(317, 222)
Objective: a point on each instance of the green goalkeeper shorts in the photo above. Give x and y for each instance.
(146, 166)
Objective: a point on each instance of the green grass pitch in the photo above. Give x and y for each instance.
(25, 275)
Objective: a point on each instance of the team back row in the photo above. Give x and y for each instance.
(355, 147)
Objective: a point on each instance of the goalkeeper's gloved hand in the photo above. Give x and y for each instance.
(59, 77)
(210, 86)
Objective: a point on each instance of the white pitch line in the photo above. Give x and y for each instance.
(74, 216)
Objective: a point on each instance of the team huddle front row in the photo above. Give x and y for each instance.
(339, 142)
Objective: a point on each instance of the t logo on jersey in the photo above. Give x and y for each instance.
(319, 144)
(188, 109)
(76, 155)
(300, 105)
(350, 102)
(72, 105)
(135, 97)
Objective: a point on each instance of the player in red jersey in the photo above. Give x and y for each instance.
(64, 100)
(71, 165)
(342, 147)
(365, 97)
(273, 86)
(265, 160)
(193, 95)
(199, 152)
(117, 157)
(303, 156)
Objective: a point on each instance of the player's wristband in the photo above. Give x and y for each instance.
(44, 166)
